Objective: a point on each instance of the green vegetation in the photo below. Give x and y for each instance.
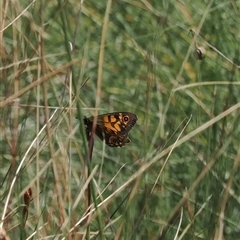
(179, 176)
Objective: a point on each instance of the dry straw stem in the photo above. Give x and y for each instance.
(101, 56)
(179, 225)
(36, 83)
(219, 233)
(192, 85)
(169, 154)
(3, 234)
(184, 231)
(18, 170)
(17, 16)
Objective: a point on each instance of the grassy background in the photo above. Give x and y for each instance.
(178, 178)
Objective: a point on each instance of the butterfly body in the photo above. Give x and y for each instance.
(112, 127)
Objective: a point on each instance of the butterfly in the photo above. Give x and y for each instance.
(112, 127)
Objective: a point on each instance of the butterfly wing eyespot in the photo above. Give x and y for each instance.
(112, 127)
(126, 118)
(112, 141)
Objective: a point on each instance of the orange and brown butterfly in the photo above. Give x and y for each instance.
(112, 127)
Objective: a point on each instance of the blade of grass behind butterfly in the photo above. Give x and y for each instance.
(75, 83)
(88, 141)
(97, 103)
